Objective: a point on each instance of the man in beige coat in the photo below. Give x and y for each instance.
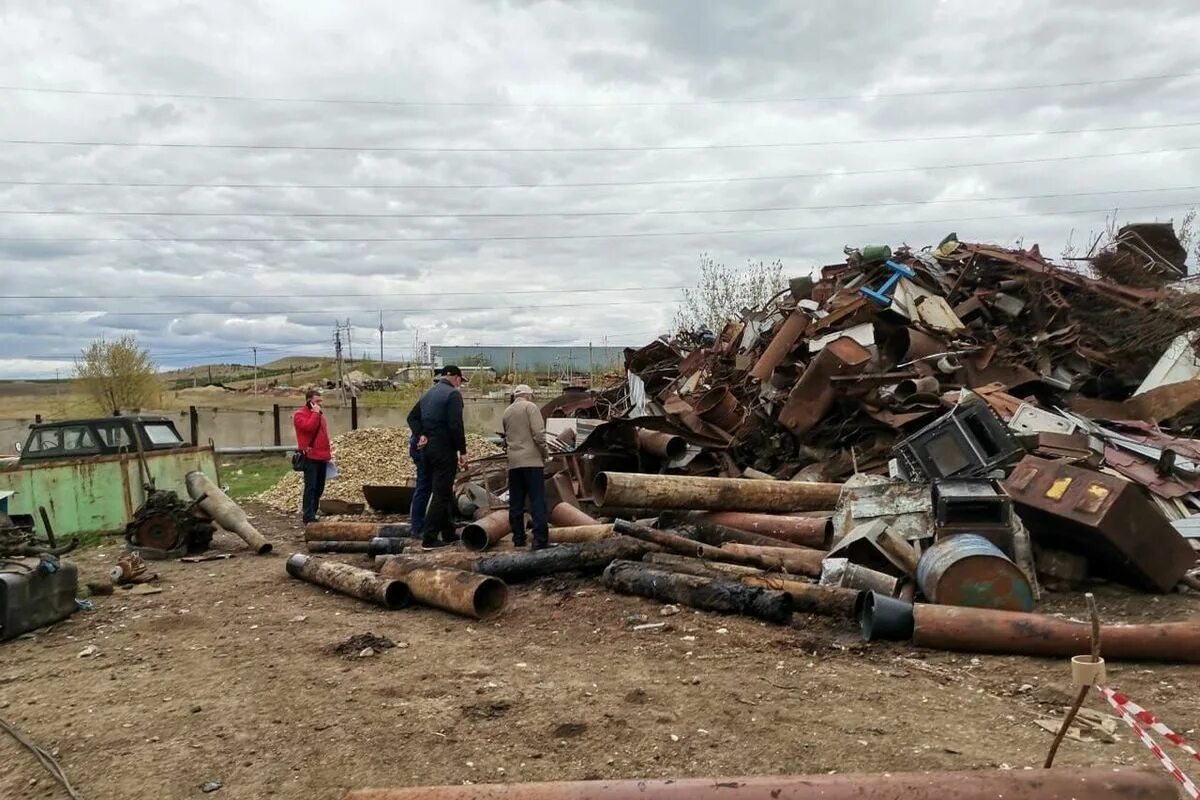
(525, 435)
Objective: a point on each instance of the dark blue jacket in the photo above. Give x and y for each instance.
(438, 416)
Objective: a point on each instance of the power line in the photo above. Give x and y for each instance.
(586, 184)
(580, 236)
(498, 292)
(595, 148)
(517, 215)
(323, 311)
(618, 104)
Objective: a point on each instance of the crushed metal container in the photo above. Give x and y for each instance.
(32, 597)
(974, 506)
(968, 570)
(969, 442)
(1113, 522)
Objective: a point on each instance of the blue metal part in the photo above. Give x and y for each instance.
(882, 295)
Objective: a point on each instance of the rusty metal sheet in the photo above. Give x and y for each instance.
(1139, 470)
(781, 344)
(1111, 521)
(813, 394)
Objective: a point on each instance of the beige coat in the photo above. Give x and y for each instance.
(525, 431)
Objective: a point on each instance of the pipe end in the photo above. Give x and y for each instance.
(397, 595)
(265, 548)
(600, 488)
(491, 598)
(296, 563)
(475, 538)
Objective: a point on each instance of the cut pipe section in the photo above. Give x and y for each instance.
(228, 514)
(453, 590)
(375, 547)
(662, 445)
(1096, 783)
(807, 531)
(355, 531)
(694, 591)
(808, 598)
(636, 490)
(580, 533)
(361, 583)
(487, 531)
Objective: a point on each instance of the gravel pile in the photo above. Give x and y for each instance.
(366, 456)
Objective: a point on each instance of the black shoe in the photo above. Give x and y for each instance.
(543, 545)
(451, 538)
(519, 542)
(433, 544)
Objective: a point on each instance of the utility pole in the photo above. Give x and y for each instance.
(349, 343)
(381, 339)
(591, 367)
(255, 351)
(337, 359)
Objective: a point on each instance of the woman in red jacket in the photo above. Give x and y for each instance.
(312, 439)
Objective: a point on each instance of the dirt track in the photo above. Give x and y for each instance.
(229, 675)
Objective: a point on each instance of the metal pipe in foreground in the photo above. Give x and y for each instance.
(984, 630)
(228, 514)
(454, 590)
(711, 494)
(566, 515)
(361, 583)
(487, 531)
(355, 531)
(1103, 783)
(574, 534)
(809, 598)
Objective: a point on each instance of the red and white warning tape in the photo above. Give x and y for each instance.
(1135, 716)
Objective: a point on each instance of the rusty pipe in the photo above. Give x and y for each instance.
(782, 342)
(792, 560)
(716, 534)
(981, 630)
(809, 598)
(670, 562)
(660, 444)
(361, 583)
(695, 591)
(573, 534)
(355, 531)
(807, 531)
(228, 514)
(711, 494)
(379, 546)
(565, 515)
(1092, 783)
(454, 590)
(487, 531)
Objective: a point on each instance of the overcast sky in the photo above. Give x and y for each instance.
(537, 94)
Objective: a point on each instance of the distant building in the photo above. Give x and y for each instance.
(552, 361)
(423, 373)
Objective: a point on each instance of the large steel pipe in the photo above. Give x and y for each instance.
(707, 594)
(711, 494)
(454, 590)
(807, 531)
(669, 562)
(380, 546)
(228, 514)
(792, 560)
(487, 531)
(361, 583)
(660, 444)
(580, 533)
(355, 531)
(981, 630)
(809, 598)
(717, 534)
(586, 557)
(565, 515)
(1064, 783)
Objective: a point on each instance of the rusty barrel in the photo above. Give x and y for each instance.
(454, 590)
(968, 570)
(1064, 783)
(361, 583)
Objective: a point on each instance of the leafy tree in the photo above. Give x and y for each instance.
(723, 292)
(116, 375)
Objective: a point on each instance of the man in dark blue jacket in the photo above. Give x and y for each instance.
(437, 422)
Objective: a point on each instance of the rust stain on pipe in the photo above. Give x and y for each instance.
(1100, 783)
(792, 560)
(806, 531)
(809, 598)
(487, 531)
(361, 583)
(354, 531)
(981, 630)
(454, 590)
(635, 490)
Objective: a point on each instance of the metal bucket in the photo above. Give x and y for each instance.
(968, 570)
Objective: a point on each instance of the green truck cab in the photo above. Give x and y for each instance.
(88, 476)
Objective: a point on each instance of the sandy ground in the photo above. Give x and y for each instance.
(229, 675)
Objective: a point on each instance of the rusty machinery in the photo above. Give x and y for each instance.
(167, 527)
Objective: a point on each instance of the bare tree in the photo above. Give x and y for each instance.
(116, 375)
(723, 292)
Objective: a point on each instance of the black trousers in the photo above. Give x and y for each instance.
(442, 465)
(314, 487)
(527, 492)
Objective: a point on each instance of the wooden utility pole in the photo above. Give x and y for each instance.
(381, 339)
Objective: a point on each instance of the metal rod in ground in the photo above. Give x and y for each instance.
(586, 557)
(1082, 694)
(667, 492)
(809, 598)
(708, 594)
(355, 531)
(228, 514)
(361, 583)
(1096, 783)
(454, 590)
(374, 547)
(983, 630)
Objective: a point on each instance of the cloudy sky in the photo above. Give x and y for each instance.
(540, 172)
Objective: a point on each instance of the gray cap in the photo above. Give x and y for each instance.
(522, 388)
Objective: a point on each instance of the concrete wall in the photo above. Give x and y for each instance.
(238, 427)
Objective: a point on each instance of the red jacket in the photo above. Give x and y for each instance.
(308, 423)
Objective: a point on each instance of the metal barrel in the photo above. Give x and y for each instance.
(968, 570)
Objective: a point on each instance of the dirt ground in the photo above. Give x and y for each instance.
(229, 675)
